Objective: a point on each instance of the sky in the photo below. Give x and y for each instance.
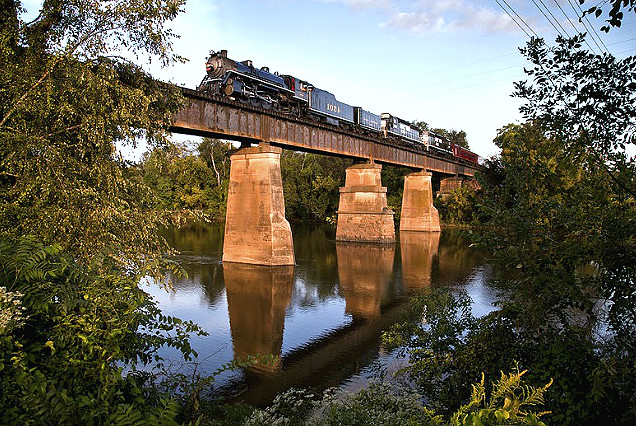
(450, 63)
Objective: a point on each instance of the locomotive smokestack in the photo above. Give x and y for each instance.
(223, 53)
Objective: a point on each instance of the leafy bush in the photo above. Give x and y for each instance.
(460, 207)
(448, 349)
(62, 353)
(511, 402)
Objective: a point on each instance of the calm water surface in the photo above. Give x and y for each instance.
(322, 317)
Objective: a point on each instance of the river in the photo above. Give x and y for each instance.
(321, 318)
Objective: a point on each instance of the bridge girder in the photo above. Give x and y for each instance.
(222, 118)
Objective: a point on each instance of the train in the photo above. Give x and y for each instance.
(259, 87)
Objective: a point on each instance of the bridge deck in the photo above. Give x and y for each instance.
(220, 117)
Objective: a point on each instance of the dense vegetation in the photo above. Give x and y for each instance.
(562, 230)
(197, 178)
(76, 232)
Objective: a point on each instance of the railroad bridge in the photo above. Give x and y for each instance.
(256, 230)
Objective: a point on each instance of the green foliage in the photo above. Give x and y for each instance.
(448, 349)
(311, 184)
(460, 207)
(587, 102)
(558, 220)
(393, 180)
(185, 181)
(66, 98)
(375, 405)
(194, 392)
(510, 403)
(291, 407)
(561, 223)
(62, 362)
(564, 245)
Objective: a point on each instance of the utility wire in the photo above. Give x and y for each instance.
(573, 26)
(548, 19)
(553, 17)
(515, 21)
(622, 41)
(583, 16)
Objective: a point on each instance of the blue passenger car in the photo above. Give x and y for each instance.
(325, 103)
(367, 119)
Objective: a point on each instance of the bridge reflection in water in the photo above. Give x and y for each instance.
(365, 272)
(321, 319)
(374, 299)
(257, 297)
(418, 250)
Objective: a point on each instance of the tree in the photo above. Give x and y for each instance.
(66, 97)
(615, 13)
(73, 328)
(458, 137)
(188, 183)
(422, 125)
(563, 211)
(586, 100)
(586, 104)
(566, 219)
(310, 184)
(76, 228)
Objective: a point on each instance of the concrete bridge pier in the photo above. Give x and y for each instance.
(256, 230)
(363, 214)
(418, 213)
(449, 184)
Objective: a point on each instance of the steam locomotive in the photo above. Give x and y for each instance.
(290, 95)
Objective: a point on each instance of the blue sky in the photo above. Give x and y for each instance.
(451, 63)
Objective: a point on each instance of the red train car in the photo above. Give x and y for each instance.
(463, 153)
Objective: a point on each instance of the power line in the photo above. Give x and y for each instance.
(489, 71)
(622, 41)
(553, 17)
(515, 21)
(548, 19)
(584, 16)
(573, 26)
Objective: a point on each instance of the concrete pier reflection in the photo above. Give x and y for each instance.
(418, 250)
(257, 297)
(365, 272)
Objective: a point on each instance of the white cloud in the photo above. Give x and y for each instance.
(364, 4)
(426, 16)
